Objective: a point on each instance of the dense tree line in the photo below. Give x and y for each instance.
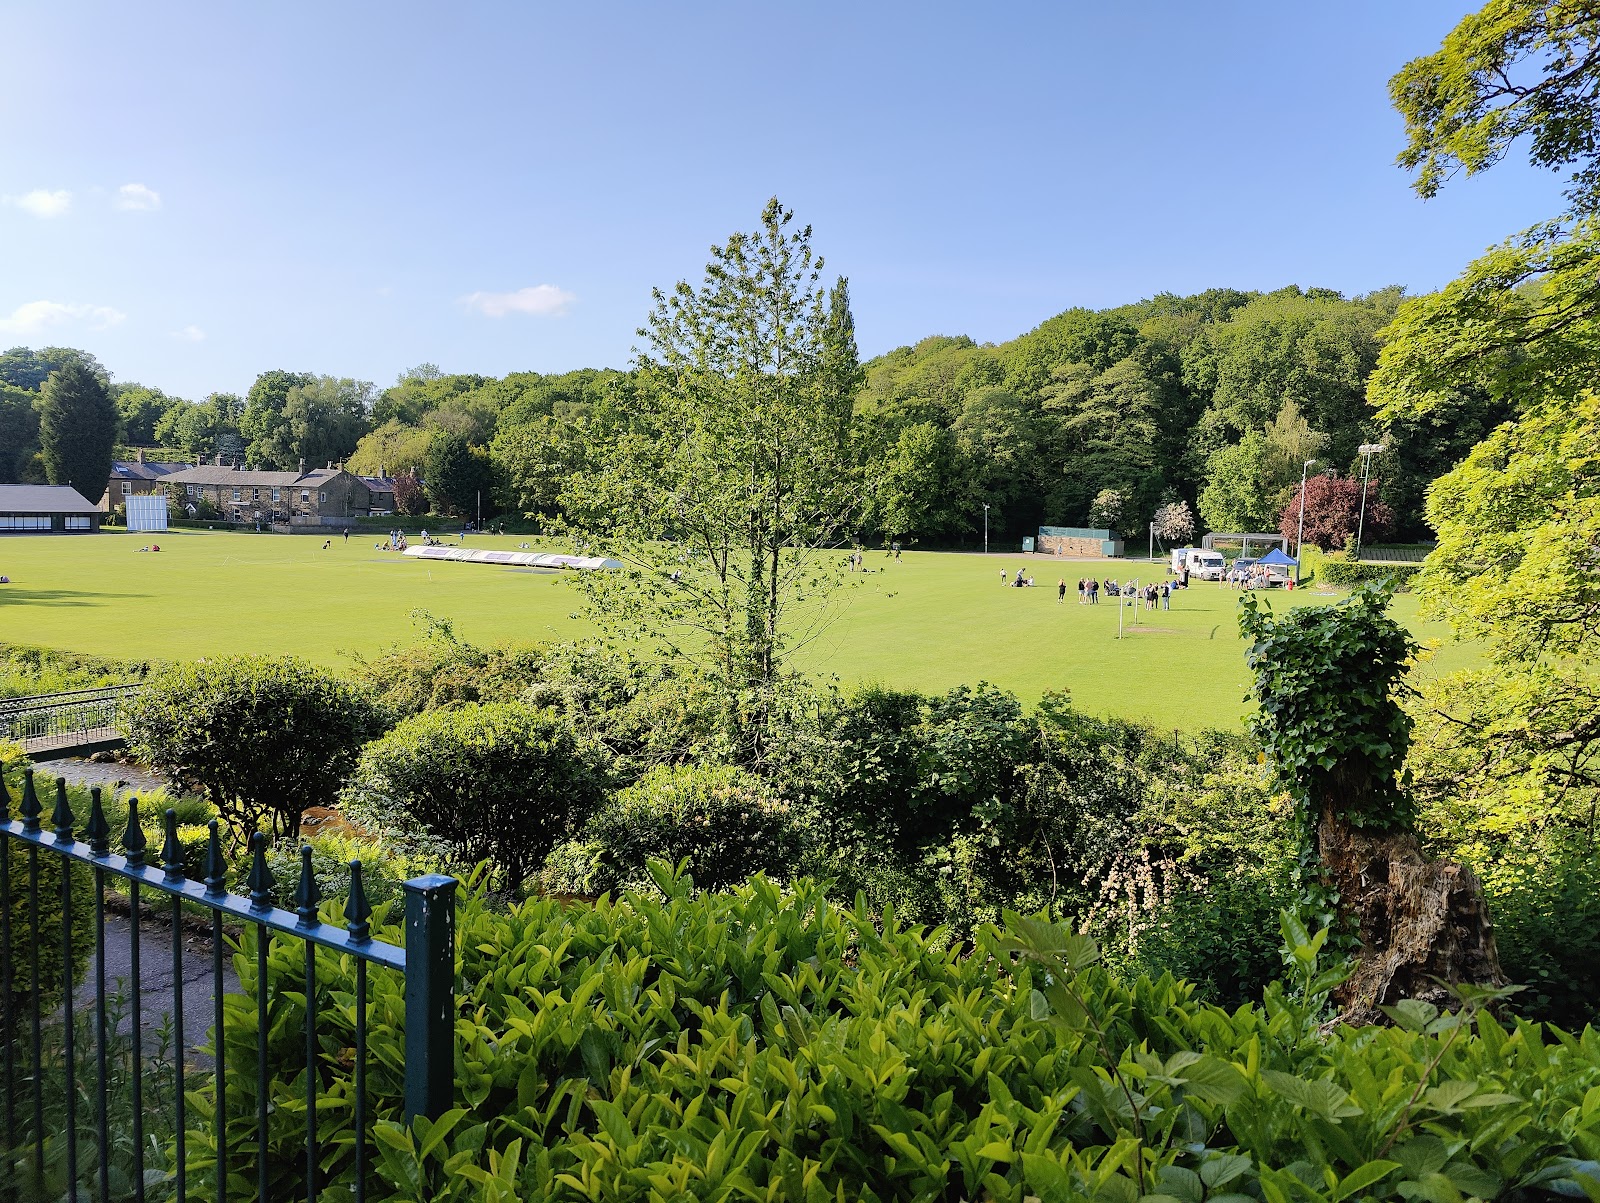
(1216, 400)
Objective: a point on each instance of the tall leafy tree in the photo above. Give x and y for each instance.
(264, 426)
(19, 431)
(732, 478)
(458, 476)
(77, 429)
(1515, 70)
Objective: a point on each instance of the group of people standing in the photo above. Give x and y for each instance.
(1089, 592)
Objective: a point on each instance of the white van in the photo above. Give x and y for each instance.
(1206, 565)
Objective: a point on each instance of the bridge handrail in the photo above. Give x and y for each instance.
(31, 701)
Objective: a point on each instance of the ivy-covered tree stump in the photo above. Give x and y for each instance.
(1327, 679)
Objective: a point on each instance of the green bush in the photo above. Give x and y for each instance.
(500, 782)
(766, 1045)
(721, 820)
(383, 868)
(1343, 574)
(267, 739)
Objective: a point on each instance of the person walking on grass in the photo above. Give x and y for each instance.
(1166, 596)
(1061, 591)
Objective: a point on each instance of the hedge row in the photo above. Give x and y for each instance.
(1345, 574)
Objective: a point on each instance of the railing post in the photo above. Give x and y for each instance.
(430, 995)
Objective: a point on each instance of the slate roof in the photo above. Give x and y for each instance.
(380, 484)
(243, 478)
(44, 499)
(127, 469)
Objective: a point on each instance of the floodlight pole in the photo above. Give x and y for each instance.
(1300, 535)
(1152, 542)
(1368, 450)
(986, 528)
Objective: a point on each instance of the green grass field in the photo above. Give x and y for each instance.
(929, 621)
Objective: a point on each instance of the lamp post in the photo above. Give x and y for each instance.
(1300, 534)
(1367, 450)
(986, 528)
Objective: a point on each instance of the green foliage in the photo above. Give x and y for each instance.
(718, 823)
(501, 782)
(457, 476)
(767, 1045)
(19, 432)
(47, 870)
(731, 475)
(77, 427)
(1342, 573)
(267, 739)
(1514, 70)
(1325, 680)
(28, 670)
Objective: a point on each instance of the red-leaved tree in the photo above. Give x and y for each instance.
(1333, 507)
(408, 495)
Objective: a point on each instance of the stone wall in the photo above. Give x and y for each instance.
(1070, 545)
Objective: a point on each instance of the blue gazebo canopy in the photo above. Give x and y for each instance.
(1275, 558)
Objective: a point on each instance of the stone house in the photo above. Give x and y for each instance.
(134, 478)
(322, 497)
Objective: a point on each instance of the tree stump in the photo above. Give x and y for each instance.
(1422, 923)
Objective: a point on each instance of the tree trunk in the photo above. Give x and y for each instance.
(1423, 923)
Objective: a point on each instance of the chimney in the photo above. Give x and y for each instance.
(219, 459)
(140, 455)
(302, 465)
(330, 465)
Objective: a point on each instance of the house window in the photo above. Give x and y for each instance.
(305, 494)
(236, 494)
(274, 494)
(191, 489)
(127, 488)
(322, 496)
(255, 494)
(79, 522)
(24, 522)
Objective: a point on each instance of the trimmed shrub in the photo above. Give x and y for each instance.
(721, 820)
(1344, 574)
(500, 782)
(267, 739)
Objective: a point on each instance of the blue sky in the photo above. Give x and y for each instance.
(199, 192)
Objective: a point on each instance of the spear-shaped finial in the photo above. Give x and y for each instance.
(357, 911)
(260, 879)
(61, 817)
(31, 810)
(306, 894)
(133, 842)
(216, 867)
(171, 850)
(5, 801)
(98, 830)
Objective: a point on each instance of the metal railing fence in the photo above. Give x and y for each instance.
(71, 712)
(427, 962)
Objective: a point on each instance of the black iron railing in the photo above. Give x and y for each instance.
(47, 1037)
(72, 712)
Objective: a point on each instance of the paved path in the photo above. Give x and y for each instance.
(155, 977)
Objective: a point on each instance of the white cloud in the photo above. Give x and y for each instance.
(35, 317)
(541, 300)
(137, 197)
(190, 334)
(41, 202)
